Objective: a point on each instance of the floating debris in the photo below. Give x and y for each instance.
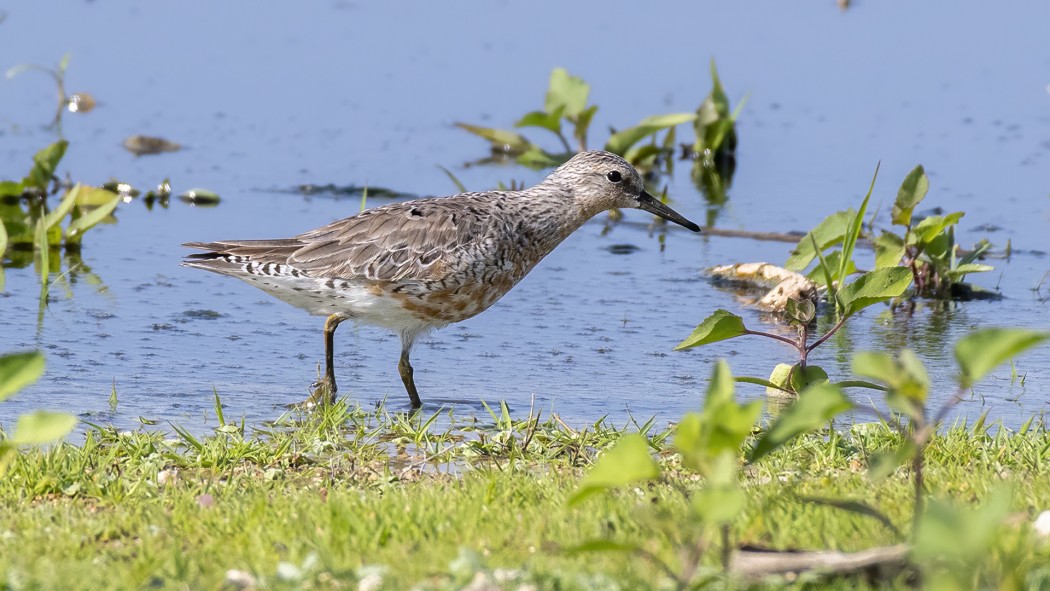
(80, 102)
(141, 145)
(788, 285)
(200, 198)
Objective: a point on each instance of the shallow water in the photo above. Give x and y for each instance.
(366, 94)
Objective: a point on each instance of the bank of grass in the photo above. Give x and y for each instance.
(347, 498)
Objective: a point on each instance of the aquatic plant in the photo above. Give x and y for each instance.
(566, 103)
(18, 370)
(926, 246)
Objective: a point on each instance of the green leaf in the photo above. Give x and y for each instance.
(94, 216)
(582, 123)
(849, 241)
(719, 326)
(889, 250)
(830, 263)
(815, 406)
(534, 157)
(721, 427)
(981, 351)
(792, 379)
(828, 232)
(11, 189)
(622, 140)
(567, 93)
(44, 164)
(961, 271)
(904, 373)
(946, 531)
(18, 370)
(42, 427)
(719, 505)
(3, 240)
(628, 461)
(912, 191)
(550, 121)
(931, 228)
(54, 217)
(507, 141)
(873, 287)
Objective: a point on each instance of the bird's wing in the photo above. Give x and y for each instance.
(416, 240)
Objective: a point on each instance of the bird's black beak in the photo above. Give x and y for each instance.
(651, 204)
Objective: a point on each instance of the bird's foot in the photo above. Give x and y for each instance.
(322, 393)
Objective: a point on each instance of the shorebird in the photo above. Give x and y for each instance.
(419, 265)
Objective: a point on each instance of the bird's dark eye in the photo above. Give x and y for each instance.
(614, 176)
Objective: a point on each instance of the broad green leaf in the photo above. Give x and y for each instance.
(780, 380)
(946, 531)
(889, 250)
(721, 427)
(912, 191)
(94, 216)
(904, 373)
(873, 287)
(828, 232)
(43, 427)
(719, 326)
(961, 271)
(791, 378)
(508, 141)
(981, 351)
(550, 121)
(719, 505)
(622, 140)
(642, 156)
(815, 406)
(89, 197)
(534, 157)
(18, 370)
(11, 189)
(927, 230)
(566, 92)
(628, 461)
(44, 164)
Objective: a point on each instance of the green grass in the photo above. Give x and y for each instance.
(327, 499)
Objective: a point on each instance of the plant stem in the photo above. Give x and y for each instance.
(772, 336)
(828, 334)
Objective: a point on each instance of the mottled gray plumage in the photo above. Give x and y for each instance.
(423, 264)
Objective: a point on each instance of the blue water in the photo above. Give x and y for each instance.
(265, 98)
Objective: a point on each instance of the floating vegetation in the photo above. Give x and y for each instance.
(199, 197)
(142, 145)
(566, 103)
